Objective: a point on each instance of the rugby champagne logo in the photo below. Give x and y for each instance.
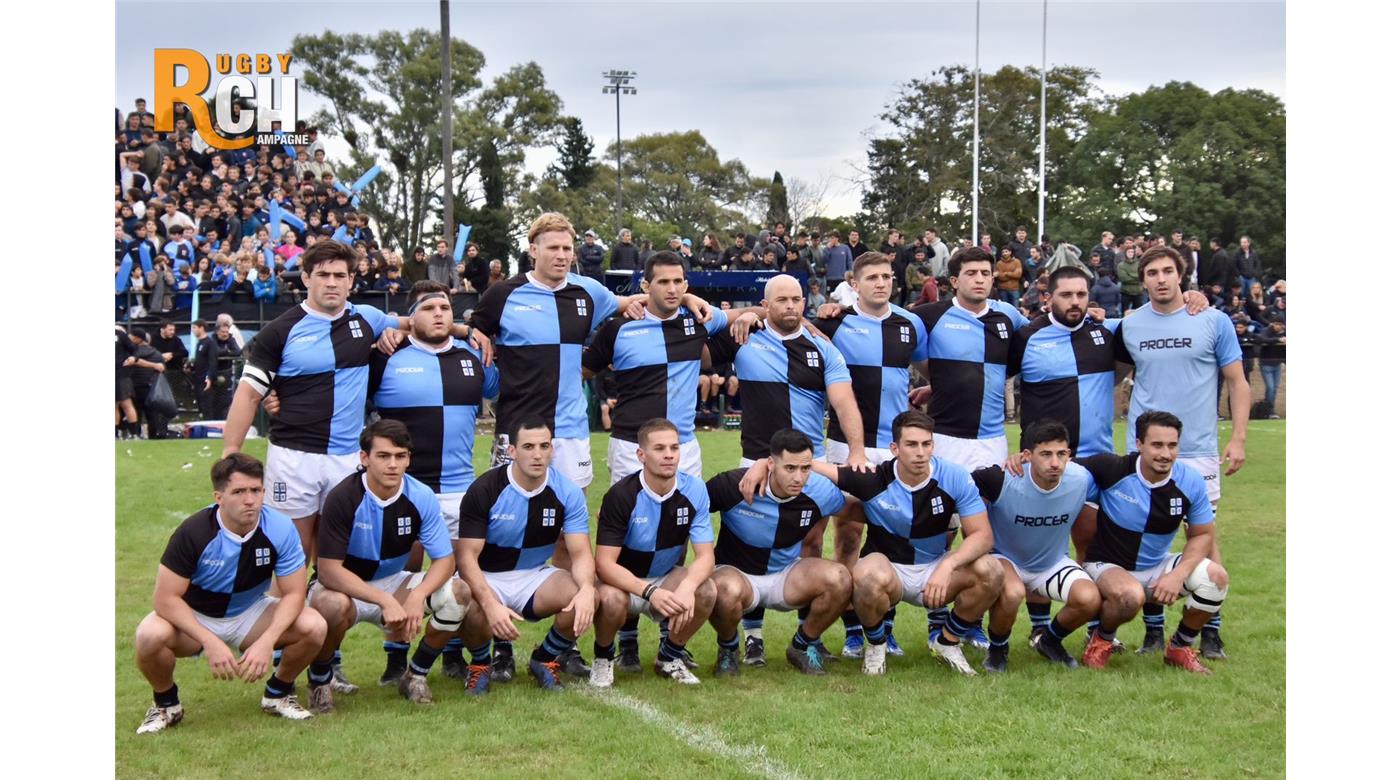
(253, 89)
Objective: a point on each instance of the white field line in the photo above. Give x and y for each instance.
(700, 738)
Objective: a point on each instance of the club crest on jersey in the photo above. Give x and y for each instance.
(547, 517)
(582, 307)
(467, 369)
(262, 556)
(682, 515)
(689, 325)
(806, 518)
(279, 491)
(355, 331)
(937, 505)
(1175, 506)
(405, 525)
(1097, 336)
(1002, 332)
(813, 360)
(904, 334)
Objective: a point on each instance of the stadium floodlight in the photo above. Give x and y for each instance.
(619, 84)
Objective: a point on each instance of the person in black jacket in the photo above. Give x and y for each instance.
(1273, 346)
(1219, 272)
(203, 368)
(590, 256)
(149, 364)
(476, 270)
(625, 256)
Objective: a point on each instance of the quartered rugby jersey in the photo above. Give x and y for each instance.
(1138, 520)
(765, 537)
(520, 527)
(878, 352)
(652, 529)
(228, 573)
(967, 356)
(437, 394)
(783, 380)
(374, 536)
(540, 333)
(656, 364)
(1177, 359)
(911, 524)
(1029, 525)
(1067, 375)
(319, 366)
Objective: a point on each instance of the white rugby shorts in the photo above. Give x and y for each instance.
(297, 482)
(1053, 583)
(1209, 469)
(233, 630)
(365, 612)
(838, 451)
(623, 462)
(971, 454)
(515, 588)
(767, 588)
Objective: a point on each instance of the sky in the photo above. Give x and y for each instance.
(792, 87)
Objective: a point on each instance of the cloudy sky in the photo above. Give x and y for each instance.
(794, 87)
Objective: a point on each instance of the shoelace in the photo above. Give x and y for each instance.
(814, 657)
(552, 667)
(474, 676)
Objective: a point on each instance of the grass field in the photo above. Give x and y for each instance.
(1137, 718)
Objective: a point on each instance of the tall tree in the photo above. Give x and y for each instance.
(384, 92)
(777, 202)
(575, 168)
(919, 175)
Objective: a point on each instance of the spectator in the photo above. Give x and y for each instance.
(1104, 250)
(815, 297)
(161, 283)
(928, 286)
(288, 251)
(770, 259)
(364, 277)
(265, 287)
(476, 271)
(148, 365)
(745, 261)
(416, 269)
(1278, 290)
(1037, 296)
(809, 252)
(170, 346)
(590, 256)
(225, 351)
(1191, 277)
(1247, 263)
(686, 254)
(855, 247)
(225, 320)
(733, 253)
(1031, 264)
(1108, 294)
(240, 286)
(441, 266)
(938, 254)
(1219, 272)
(644, 253)
(1008, 277)
(1130, 284)
(1273, 343)
(711, 253)
(845, 292)
(625, 256)
(915, 274)
(493, 274)
(794, 263)
(391, 282)
(1020, 246)
(838, 259)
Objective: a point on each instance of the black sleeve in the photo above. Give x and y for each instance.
(1106, 469)
(989, 481)
(1120, 347)
(928, 313)
(614, 517)
(599, 353)
(861, 484)
(475, 511)
(378, 362)
(723, 347)
(486, 317)
(723, 489)
(1019, 339)
(337, 520)
(829, 325)
(181, 555)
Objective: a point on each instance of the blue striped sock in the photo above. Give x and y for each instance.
(454, 646)
(851, 623)
(999, 640)
(1058, 630)
(1214, 622)
(424, 657)
(335, 659)
(554, 644)
(627, 637)
(1040, 615)
(670, 651)
(319, 673)
(729, 644)
(801, 641)
(937, 618)
(876, 635)
(481, 655)
(957, 626)
(1154, 616)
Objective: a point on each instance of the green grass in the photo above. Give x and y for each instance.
(1136, 718)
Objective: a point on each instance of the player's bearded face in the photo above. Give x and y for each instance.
(666, 289)
(327, 284)
(1069, 301)
(1160, 448)
(432, 321)
(1048, 460)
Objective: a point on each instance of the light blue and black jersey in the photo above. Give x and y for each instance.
(319, 367)
(227, 573)
(1139, 520)
(783, 381)
(520, 528)
(1031, 526)
(878, 353)
(1067, 375)
(373, 536)
(437, 394)
(910, 524)
(1177, 360)
(766, 536)
(656, 365)
(539, 336)
(651, 529)
(967, 356)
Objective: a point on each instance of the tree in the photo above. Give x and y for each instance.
(1177, 156)
(575, 168)
(919, 175)
(385, 93)
(777, 202)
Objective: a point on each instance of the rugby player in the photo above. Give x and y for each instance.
(1177, 362)
(211, 595)
(757, 553)
(910, 504)
(511, 518)
(879, 342)
(367, 530)
(786, 379)
(643, 526)
(1142, 499)
(1032, 515)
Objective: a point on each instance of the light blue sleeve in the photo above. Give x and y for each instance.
(701, 531)
(1227, 346)
(378, 320)
(964, 492)
(828, 497)
(719, 320)
(920, 339)
(433, 534)
(836, 370)
(575, 508)
(290, 556)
